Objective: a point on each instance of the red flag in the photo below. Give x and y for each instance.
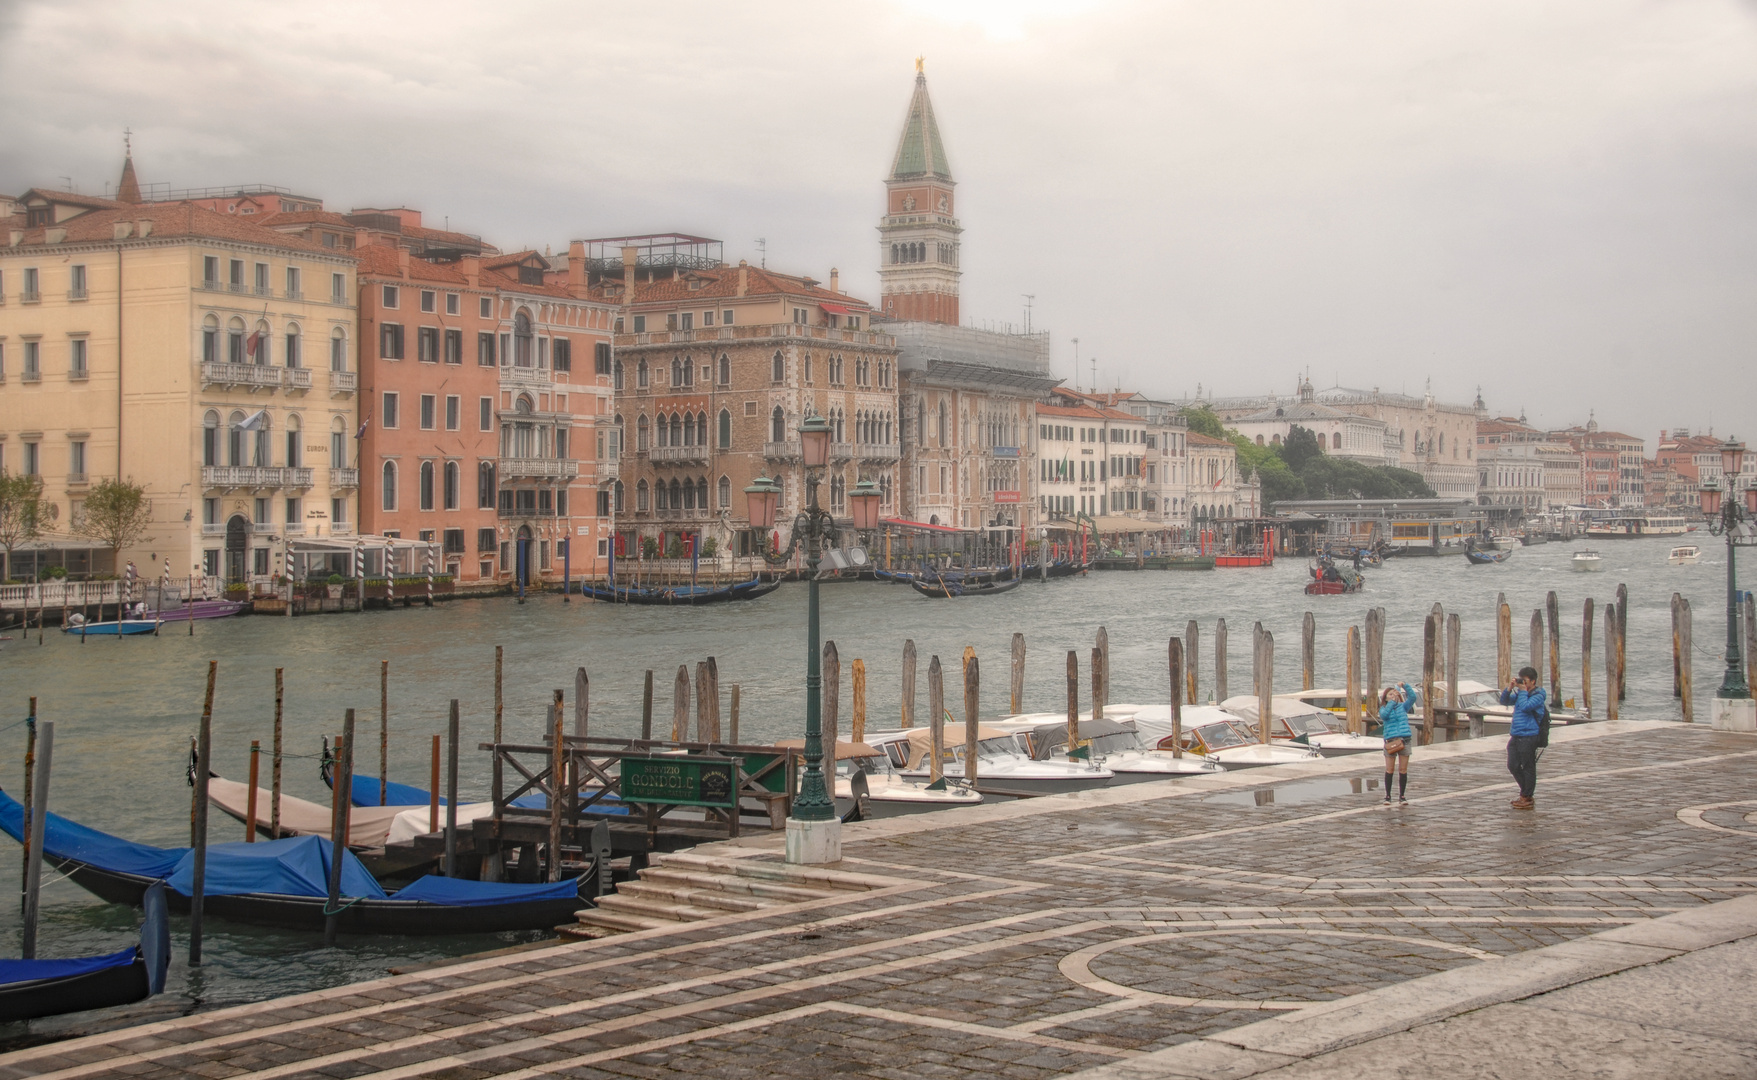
(252, 342)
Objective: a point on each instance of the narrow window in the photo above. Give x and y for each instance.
(485, 417)
(427, 407)
(388, 414)
(390, 485)
(426, 485)
(453, 412)
(725, 429)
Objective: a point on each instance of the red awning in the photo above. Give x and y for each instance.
(834, 309)
(920, 525)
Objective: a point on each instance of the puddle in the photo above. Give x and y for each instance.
(1302, 792)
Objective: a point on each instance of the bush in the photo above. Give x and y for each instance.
(649, 548)
(336, 579)
(710, 547)
(59, 573)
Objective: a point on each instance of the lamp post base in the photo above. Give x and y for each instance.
(1735, 714)
(814, 843)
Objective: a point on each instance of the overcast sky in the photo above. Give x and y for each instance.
(1554, 200)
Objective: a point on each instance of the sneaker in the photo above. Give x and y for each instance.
(1402, 798)
(1387, 799)
(1523, 803)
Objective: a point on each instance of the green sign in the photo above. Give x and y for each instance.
(677, 781)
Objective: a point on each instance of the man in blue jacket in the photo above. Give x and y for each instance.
(1527, 699)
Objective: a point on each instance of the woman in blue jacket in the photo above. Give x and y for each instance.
(1394, 706)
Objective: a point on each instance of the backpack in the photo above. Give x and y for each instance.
(1543, 724)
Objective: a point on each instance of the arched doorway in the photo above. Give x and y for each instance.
(523, 566)
(237, 537)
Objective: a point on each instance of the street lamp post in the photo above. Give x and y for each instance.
(1734, 709)
(814, 833)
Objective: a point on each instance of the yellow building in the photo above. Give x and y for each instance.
(195, 353)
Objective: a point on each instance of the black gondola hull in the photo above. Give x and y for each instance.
(120, 985)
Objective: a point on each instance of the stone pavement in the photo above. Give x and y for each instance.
(1103, 929)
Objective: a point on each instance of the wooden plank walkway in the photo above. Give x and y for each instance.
(1046, 936)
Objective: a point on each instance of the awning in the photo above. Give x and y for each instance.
(1109, 523)
(834, 309)
(903, 523)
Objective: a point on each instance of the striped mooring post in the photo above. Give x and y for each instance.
(430, 574)
(390, 579)
(133, 574)
(359, 575)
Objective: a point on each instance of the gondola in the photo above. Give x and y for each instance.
(1328, 579)
(944, 590)
(1484, 556)
(284, 884)
(34, 988)
(687, 595)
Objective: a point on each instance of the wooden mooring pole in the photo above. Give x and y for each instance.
(1552, 615)
(274, 795)
(250, 795)
(383, 731)
(1586, 659)
(39, 816)
(732, 717)
(1351, 685)
(1308, 651)
(204, 745)
(343, 775)
(451, 791)
(647, 708)
(1687, 674)
(680, 705)
(1219, 661)
(433, 788)
(1104, 648)
(908, 696)
(1097, 684)
(1536, 660)
(499, 733)
(936, 720)
(1375, 653)
(1192, 660)
(30, 764)
(1503, 644)
(1017, 683)
(1174, 662)
(582, 688)
(857, 685)
(1610, 662)
(558, 775)
(1265, 676)
(832, 700)
(1073, 702)
(1622, 642)
(972, 718)
(1454, 627)
(1430, 662)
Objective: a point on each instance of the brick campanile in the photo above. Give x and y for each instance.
(918, 236)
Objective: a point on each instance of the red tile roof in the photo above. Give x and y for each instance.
(721, 283)
(1085, 412)
(179, 219)
(383, 260)
(1196, 438)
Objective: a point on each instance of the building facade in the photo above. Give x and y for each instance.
(1612, 466)
(195, 353)
(1339, 432)
(1521, 471)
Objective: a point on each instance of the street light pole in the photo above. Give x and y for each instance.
(1734, 708)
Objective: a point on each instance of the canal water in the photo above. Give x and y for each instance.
(126, 709)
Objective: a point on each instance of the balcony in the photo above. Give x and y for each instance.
(295, 294)
(296, 378)
(343, 382)
(293, 528)
(31, 296)
(249, 476)
(877, 452)
(781, 451)
(525, 376)
(213, 528)
(30, 376)
(679, 455)
(77, 479)
(609, 471)
(341, 528)
(841, 451)
(296, 478)
(247, 375)
(344, 478)
(538, 469)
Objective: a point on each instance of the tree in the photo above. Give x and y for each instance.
(1300, 448)
(1202, 421)
(21, 511)
(117, 513)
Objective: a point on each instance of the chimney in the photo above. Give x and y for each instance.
(743, 277)
(403, 262)
(834, 277)
(576, 269)
(628, 266)
(471, 265)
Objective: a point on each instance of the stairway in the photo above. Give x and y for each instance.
(683, 887)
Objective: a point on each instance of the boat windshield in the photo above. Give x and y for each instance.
(1220, 736)
(1002, 747)
(1123, 742)
(1308, 724)
(1486, 699)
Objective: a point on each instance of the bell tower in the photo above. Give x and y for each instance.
(918, 236)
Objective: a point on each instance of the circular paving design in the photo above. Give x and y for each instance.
(1733, 817)
(1257, 968)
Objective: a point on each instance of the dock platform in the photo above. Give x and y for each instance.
(1234, 925)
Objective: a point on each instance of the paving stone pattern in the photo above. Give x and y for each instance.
(1047, 938)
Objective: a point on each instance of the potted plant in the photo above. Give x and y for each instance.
(335, 584)
(709, 547)
(649, 548)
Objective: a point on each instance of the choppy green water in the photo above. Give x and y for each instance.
(125, 708)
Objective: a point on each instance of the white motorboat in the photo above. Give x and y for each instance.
(1588, 561)
(889, 793)
(1684, 556)
(1001, 763)
(1115, 745)
(1497, 718)
(1294, 720)
(1327, 698)
(1214, 732)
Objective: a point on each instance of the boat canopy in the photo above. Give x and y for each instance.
(294, 866)
(65, 839)
(921, 741)
(22, 971)
(844, 750)
(1054, 734)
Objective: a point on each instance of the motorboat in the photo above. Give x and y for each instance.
(1001, 762)
(689, 595)
(1214, 732)
(1114, 744)
(1331, 699)
(866, 776)
(1588, 561)
(1295, 721)
(1684, 556)
(35, 988)
(1497, 718)
(76, 624)
(285, 883)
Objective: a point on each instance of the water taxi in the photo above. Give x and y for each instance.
(1683, 556)
(1000, 762)
(1587, 561)
(1116, 745)
(1217, 733)
(1293, 720)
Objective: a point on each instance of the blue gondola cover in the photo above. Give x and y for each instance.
(461, 892)
(67, 840)
(19, 971)
(294, 866)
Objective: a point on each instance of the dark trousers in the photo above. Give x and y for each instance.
(1522, 762)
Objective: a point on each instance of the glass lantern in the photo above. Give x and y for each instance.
(762, 498)
(864, 501)
(814, 441)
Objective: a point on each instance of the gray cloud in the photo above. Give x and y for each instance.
(1552, 200)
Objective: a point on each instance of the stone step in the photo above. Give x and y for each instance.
(727, 883)
(593, 918)
(642, 907)
(682, 894)
(808, 876)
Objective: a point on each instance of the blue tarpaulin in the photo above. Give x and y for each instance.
(295, 866)
(19, 971)
(64, 839)
(366, 793)
(459, 892)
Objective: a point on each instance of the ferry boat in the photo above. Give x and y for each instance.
(1666, 525)
(1683, 556)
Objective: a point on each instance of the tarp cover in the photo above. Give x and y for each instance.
(367, 825)
(20, 971)
(460, 892)
(395, 794)
(296, 866)
(64, 839)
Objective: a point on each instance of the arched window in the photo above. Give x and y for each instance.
(921, 423)
(682, 434)
(235, 441)
(725, 487)
(807, 368)
(618, 497)
(293, 359)
(640, 433)
(618, 370)
(485, 485)
(676, 372)
(701, 492)
(256, 345)
(522, 340)
(688, 495)
(725, 370)
(426, 485)
(725, 429)
(260, 455)
(451, 485)
(235, 341)
(662, 436)
(338, 444)
(1336, 441)
(1259, 440)
(210, 438)
(390, 485)
(338, 350)
(942, 424)
(677, 495)
(640, 497)
(210, 340)
(701, 429)
(661, 500)
(777, 425)
(293, 438)
(640, 374)
(777, 368)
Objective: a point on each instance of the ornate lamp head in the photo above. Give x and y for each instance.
(762, 498)
(814, 441)
(1711, 496)
(1732, 460)
(864, 501)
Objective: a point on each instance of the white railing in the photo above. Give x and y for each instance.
(241, 374)
(247, 476)
(296, 478)
(53, 595)
(344, 478)
(609, 471)
(341, 528)
(877, 452)
(296, 378)
(781, 451)
(343, 382)
(664, 454)
(539, 468)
